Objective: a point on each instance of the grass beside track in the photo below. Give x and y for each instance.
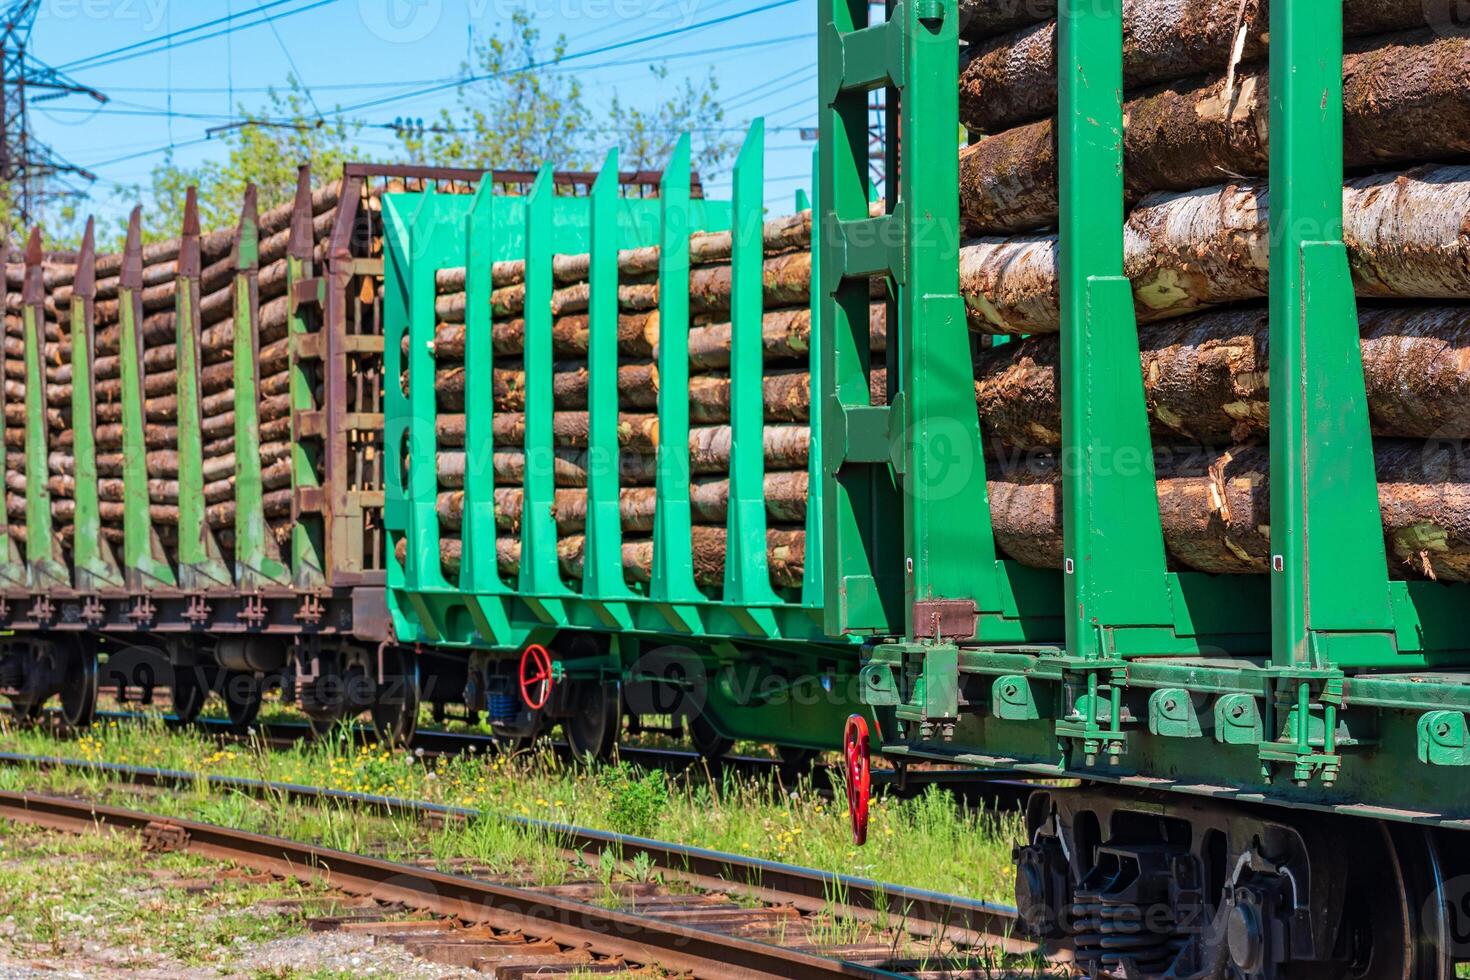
(928, 842)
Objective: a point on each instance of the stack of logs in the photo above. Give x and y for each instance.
(160, 269)
(1196, 250)
(786, 336)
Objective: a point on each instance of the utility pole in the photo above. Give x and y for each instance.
(28, 167)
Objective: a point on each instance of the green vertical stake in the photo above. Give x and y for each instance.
(540, 575)
(813, 579)
(96, 567)
(747, 576)
(308, 530)
(145, 564)
(673, 565)
(602, 572)
(201, 566)
(257, 556)
(45, 563)
(1329, 577)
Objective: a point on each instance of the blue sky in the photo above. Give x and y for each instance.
(356, 52)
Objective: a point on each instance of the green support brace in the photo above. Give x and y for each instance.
(145, 565)
(201, 566)
(1329, 573)
(814, 579)
(94, 564)
(540, 572)
(747, 576)
(673, 566)
(258, 562)
(602, 572)
(308, 529)
(479, 570)
(45, 562)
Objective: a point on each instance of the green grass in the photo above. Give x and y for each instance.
(928, 842)
(57, 889)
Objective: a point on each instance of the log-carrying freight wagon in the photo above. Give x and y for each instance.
(572, 488)
(1203, 545)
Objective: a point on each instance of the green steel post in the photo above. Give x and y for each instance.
(673, 565)
(96, 567)
(257, 555)
(45, 562)
(813, 578)
(540, 572)
(1329, 588)
(201, 566)
(145, 564)
(1115, 570)
(602, 574)
(747, 576)
(308, 529)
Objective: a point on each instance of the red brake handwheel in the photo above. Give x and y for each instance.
(535, 676)
(859, 778)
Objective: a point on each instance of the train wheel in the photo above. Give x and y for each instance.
(189, 692)
(395, 708)
(79, 683)
(242, 692)
(1396, 926)
(708, 742)
(596, 720)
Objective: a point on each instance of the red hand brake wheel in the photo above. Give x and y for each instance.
(535, 676)
(855, 751)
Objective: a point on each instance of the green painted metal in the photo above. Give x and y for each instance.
(258, 563)
(1330, 595)
(540, 574)
(145, 565)
(747, 576)
(1310, 683)
(427, 232)
(45, 563)
(673, 566)
(920, 455)
(814, 575)
(308, 529)
(602, 573)
(94, 564)
(200, 564)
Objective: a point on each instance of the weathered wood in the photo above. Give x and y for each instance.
(637, 387)
(1216, 513)
(638, 432)
(1407, 99)
(1013, 78)
(1205, 378)
(785, 335)
(1407, 234)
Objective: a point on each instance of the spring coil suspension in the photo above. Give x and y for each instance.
(1123, 916)
(502, 707)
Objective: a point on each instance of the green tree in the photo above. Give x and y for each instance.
(524, 112)
(265, 148)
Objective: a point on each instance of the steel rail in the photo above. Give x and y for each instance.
(920, 911)
(538, 915)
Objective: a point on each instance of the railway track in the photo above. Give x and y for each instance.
(925, 913)
(704, 932)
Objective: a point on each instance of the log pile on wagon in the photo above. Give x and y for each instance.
(1196, 109)
(786, 342)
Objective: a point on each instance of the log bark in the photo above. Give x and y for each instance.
(785, 555)
(637, 387)
(1408, 99)
(636, 432)
(785, 335)
(1013, 78)
(1206, 378)
(1215, 510)
(1407, 235)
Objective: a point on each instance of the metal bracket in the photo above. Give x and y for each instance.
(42, 610)
(945, 619)
(143, 610)
(1294, 743)
(197, 610)
(94, 611)
(164, 838)
(254, 613)
(311, 611)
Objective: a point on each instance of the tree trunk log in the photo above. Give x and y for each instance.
(1013, 78)
(1407, 235)
(1205, 378)
(1216, 513)
(637, 387)
(1406, 100)
(786, 335)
